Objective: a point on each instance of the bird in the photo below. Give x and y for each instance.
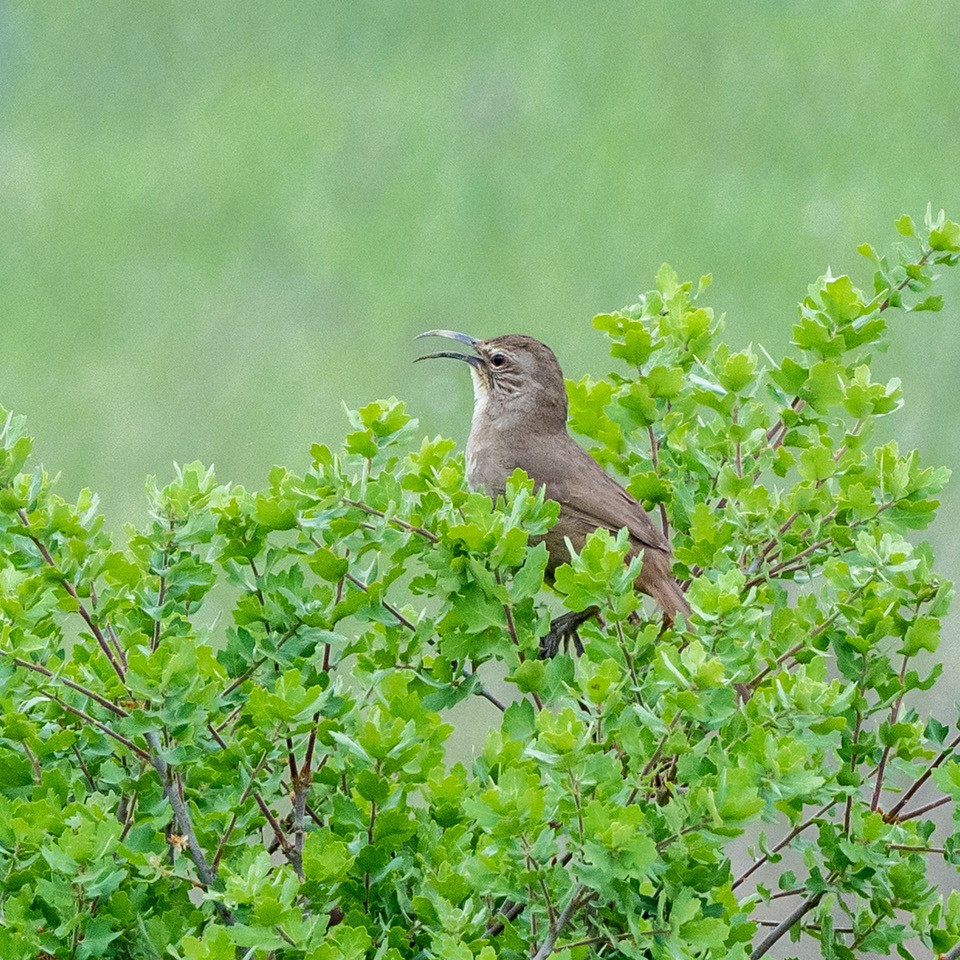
(520, 420)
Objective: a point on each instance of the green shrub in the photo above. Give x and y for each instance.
(225, 736)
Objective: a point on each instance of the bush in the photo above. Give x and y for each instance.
(278, 787)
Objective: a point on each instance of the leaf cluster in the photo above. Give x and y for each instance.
(226, 734)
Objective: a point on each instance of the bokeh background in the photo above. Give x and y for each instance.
(220, 220)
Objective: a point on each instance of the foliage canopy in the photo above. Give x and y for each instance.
(279, 787)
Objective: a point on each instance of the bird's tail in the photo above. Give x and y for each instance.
(670, 599)
(657, 580)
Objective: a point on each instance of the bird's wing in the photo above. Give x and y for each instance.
(589, 494)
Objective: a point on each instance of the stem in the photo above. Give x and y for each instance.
(795, 649)
(410, 528)
(902, 802)
(655, 459)
(282, 842)
(233, 819)
(926, 808)
(245, 676)
(796, 831)
(393, 611)
(37, 668)
(784, 925)
(83, 766)
(403, 621)
(102, 727)
(72, 590)
(35, 763)
(182, 813)
(894, 713)
(256, 582)
(557, 928)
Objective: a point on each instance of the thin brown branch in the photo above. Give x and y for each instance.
(784, 925)
(926, 808)
(393, 611)
(102, 727)
(282, 841)
(83, 766)
(794, 650)
(182, 813)
(249, 672)
(655, 460)
(256, 582)
(894, 713)
(409, 527)
(557, 928)
(38, 668)
(891, 814)
(796, 831)
(72, 590)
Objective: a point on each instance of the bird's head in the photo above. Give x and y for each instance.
(515, 378)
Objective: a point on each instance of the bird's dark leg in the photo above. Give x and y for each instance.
(563, 630)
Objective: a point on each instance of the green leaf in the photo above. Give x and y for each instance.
(922, 634)
(326, 858)
(905, 226)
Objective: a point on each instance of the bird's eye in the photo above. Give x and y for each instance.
(498, 360)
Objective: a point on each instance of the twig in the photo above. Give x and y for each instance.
(556, 929)
(655, 460)
(796, 831)
(926, 808)
(102, 727)
(38, 668)
(794, 650)
(403, 621)
(256, 584)
(947, 751)
(784, 925)
(182, 813)
(393, 611)
(894, 713)
(72, 590)
(257, 664)
(288, 851)
(409, 527)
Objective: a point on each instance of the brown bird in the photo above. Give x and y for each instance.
(520, 420)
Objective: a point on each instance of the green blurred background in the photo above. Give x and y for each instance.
(220, 219)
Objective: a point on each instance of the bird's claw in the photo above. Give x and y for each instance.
(564, 631)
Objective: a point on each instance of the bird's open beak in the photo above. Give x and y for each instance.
(452, 335)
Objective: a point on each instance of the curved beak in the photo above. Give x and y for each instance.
(452, 335)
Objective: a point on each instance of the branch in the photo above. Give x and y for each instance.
(784, 925)
(72, 590)
(242, 801)
(796, 831)
(182, 813)
(894, 713)
(557, 928)
(38, 668)
(403, 621)
(288, 851)
(100, 725)
(947, 751)
(655, 460)
(409, 527)
(258, 663)
(926, 808)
